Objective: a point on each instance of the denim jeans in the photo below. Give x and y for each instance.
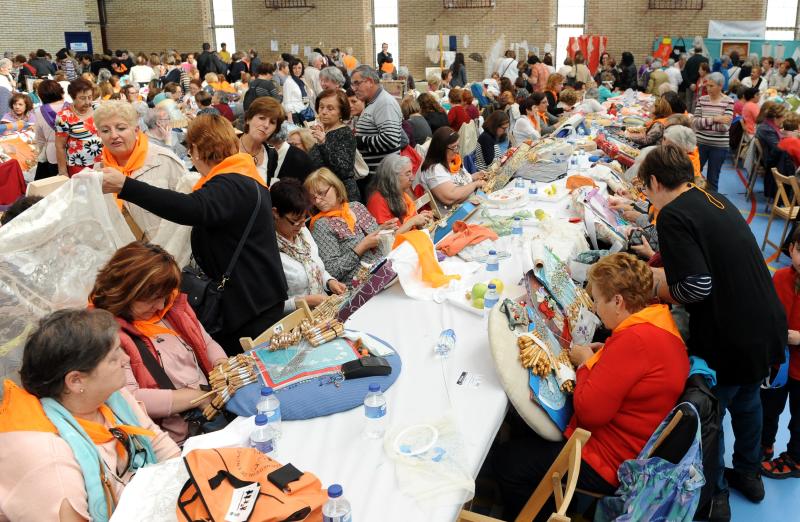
(774, 401)
(744, 404)
(715, 157)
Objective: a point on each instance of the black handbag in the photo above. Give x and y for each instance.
(204, 294)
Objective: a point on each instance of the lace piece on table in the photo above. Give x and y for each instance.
(49, 256)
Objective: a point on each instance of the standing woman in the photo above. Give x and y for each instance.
(295, 92)
(52, 96)
(335, 146)
(263, 117)
(6, 82)
(459, 70)
(627, 75)
(77, 144)
(219, 210)
(712, 121)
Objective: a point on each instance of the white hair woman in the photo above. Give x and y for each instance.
(331, 78)
(713, 116)
(390, 201)
(128, 150)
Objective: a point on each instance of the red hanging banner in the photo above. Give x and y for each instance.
(592, 47)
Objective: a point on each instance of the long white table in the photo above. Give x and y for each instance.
(334, 448)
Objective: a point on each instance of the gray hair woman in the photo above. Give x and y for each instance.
(331, 78)
(713, 116)
(6, 82)
(128, 150)
(390, 201)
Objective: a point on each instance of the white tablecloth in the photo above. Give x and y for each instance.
(334, 448)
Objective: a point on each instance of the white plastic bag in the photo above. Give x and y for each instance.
(49, 257)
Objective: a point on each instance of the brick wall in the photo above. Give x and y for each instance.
(158, 25)
(40, 24)
(516, 19)
(631, 26)
(332, 23)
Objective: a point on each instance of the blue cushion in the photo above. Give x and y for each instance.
(318, 396)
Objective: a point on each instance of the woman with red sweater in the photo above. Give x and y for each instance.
(624, 388)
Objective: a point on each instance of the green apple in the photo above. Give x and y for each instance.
(478, 302)
(479, 290)
(498, 285)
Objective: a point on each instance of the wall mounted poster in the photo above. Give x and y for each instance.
(741, 47)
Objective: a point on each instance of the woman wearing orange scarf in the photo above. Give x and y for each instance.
(390, 200)
(139, 285)
(654, 130)
(71, 437)
(345, 232)
(623, 390)
(127, 150)
(219, 209)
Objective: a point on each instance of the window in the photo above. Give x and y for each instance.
(570, 22)
(222, 24)
(384, 29)
(781, 19)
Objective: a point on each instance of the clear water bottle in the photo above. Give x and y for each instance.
(445, 344)
(490, 298)
(270, 406)
(337, 508)
(492, 264)
(516, 229)
(375, 412)
(581, 131)
(533, 190)
(262, 437)
(519, 183)
(573, 163)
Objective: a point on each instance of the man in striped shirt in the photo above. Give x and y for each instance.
(379, 130)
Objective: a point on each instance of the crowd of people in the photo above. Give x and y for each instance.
(323, 159)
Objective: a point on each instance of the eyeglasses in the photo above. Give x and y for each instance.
(321, 195)
(138, 458)
(453, 148)
(297, 223)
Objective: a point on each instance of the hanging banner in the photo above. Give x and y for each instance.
(737, 30)
(591, 46)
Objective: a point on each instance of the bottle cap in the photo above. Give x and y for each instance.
(265, 391)
(261, 419)
(374, 387)
(492, 252)
(334, 491)
(516, 219)
(492, 286)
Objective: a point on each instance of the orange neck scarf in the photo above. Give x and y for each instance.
(135, 160)
(239, 163)
(21, 411)
(652, 122)
(343, 213)
(554, 93)
(656, 315)
(455, 165)
(535, 121)
(431, 270)
(150, 327)
(694, 156)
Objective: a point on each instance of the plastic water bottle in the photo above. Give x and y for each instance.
(262, 437)
(516, 230)
(573, 163)
(490, 298)
(520, 183)
(492, 264)
(533, 190)
(270, 406)
(337, 508)
(375, 412)
(445, 344)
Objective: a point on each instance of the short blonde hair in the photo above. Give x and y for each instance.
(211, 78)
(622, 274)
(568, 96)
(320, 178)
(305, 137)
(213, 138)
(115, 109)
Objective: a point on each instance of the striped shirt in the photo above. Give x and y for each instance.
(708, 132)
(379, 129)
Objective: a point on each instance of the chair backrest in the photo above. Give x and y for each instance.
(782, 199)
(759, 153)
(468, 138)
(567, 463)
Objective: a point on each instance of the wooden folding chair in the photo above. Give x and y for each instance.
(742, 150)
(566, 466)
(784, 207)
(752, 176)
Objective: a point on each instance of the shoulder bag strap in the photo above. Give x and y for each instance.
(247, 230)
(153, 366)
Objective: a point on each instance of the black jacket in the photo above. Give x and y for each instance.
(235, 71)
(218, 213)
(42, 66)
(691, 71)
(296, 165)
(209, 62)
